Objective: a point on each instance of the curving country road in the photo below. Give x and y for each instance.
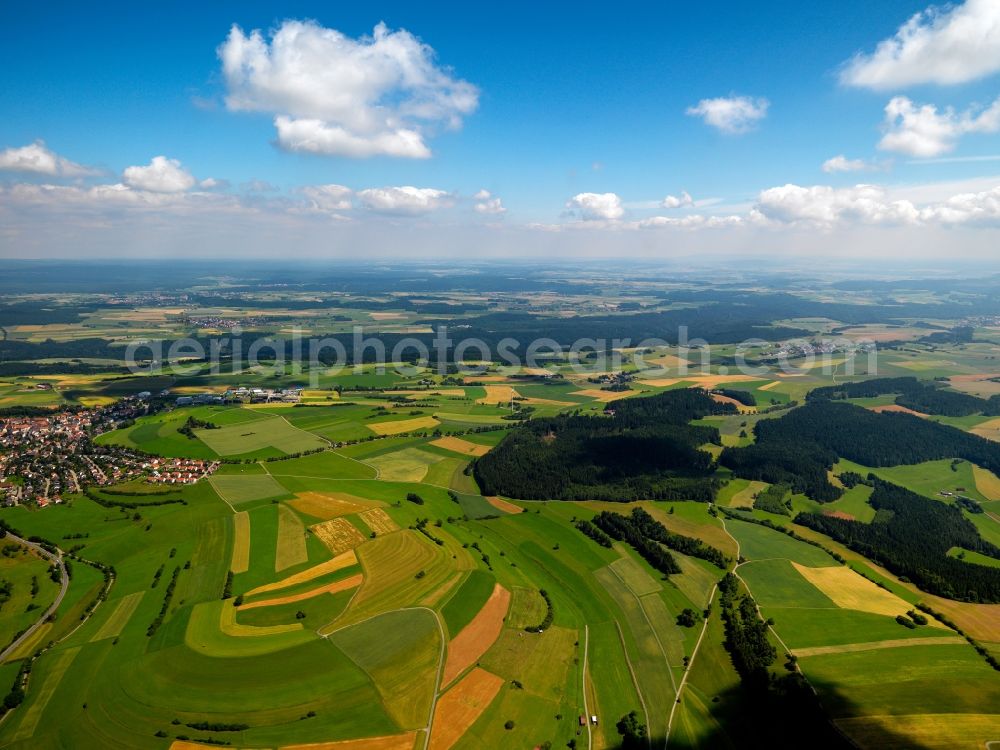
(64, 585)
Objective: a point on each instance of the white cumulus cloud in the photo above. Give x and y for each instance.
(827, 206)
(338, 96)
(941, 45)
(161, 175)
(841, 163)
(924, 131)
(487, 203)
(677, 201)
(872, 205)
(967, 208)
(213, 183)
(597, 206)
(694, 221)
(319, 137)
(404, 200)
(39, 159)
(329, 197)
(731, 115)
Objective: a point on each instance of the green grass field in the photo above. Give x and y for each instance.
(362, 661)
(25, 571)
(249, 438)
(239, 489)
(400, 651)
(467, 600)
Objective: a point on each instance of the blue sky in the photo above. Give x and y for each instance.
(536, 103)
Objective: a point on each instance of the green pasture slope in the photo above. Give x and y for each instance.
(320, 667)
(267, 668)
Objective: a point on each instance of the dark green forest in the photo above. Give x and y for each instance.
(644, 449)
(800, 447)
(922, 396)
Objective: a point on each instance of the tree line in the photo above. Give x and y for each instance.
(911, 536)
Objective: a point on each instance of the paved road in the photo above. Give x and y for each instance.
(64, 584)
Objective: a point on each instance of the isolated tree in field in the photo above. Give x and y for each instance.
(688, 618)
(632, 730)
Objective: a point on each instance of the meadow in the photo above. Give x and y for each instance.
(342, 577)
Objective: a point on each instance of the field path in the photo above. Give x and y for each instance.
(690, 664)
(437, 682)
(63, 587)
(635, 681)
(656, 636)
(586, 709)
(697, 645)
(850, 648)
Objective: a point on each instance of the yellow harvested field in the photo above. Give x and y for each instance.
(391, 565)
(850, 590)
(320, 394)
(974, 378)
(897, 409)
(241, 543)
(877, 332)
(406, 465)
(981, 621)
(745, 497)
(338, 534)
(769, 386)
(92, 402)
(989, 429)
(850, 648)
(926, 731)
(291, 544)
(391, 742)
(461, 446)
(707, 382)
(546, 402)
(327, 505)
(475, 638)
(714, 381)
(458, 709)
(379, 521)
(660, 382)
(387, 315)
(983, 385)
(402, 425)
(987, 483)
(345, 560)
(119, 616)
(497, 394)
(740, 406)
(507, 507)
(668, 361)
(229, 626)
(331, 588)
